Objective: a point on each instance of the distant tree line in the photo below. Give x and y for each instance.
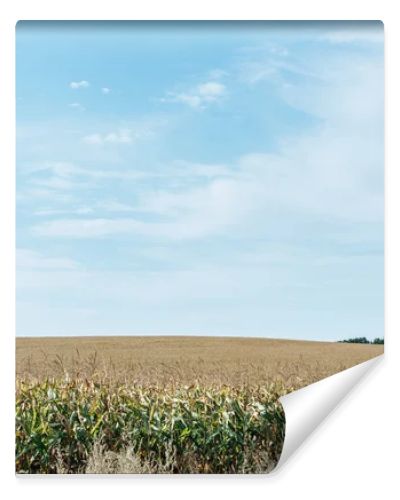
(362, 340)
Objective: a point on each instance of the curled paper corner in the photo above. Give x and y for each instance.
(308, 407)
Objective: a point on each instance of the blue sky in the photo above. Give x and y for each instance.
(197, 178)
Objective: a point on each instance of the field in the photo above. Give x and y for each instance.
(162, 404)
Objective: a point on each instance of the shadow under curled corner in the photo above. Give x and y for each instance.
(308, 407)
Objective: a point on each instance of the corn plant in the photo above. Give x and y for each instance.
(204, 430)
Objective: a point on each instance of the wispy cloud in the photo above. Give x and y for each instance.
(200, 96)
(77, 106)
(217, 74)
(93, 139)
(87, 228)
(55, 182)
(112, 206)
(52, 178)
(64, 176)
(83, 84)
(194, 170)
(343, 34)
(105, 90)
(40, 194)
(275, 65)
(121, 136)
(192, 214)
(29, 259)
(115, 206)
(242, 198)
(45, 212)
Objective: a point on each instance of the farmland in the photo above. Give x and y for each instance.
(162, 404)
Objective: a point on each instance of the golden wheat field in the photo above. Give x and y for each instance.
(187, 360)
(162, 404)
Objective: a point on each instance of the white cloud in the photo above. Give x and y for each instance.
(220, 206)
(217, 74)
(77, 106)
(54, 211)
(54, 182)
(54, 177)
(191, 100)
(199, 96)
(121, 136)
(29, 259)
(106, 206)
(192, 170)
(310, 178)
(93, 139)
(87, 228)
(127, 132)
(115, 206)
(105, 90)
(211, 91)
(36, 194)
(79, 85)
(344, 34)
(60, 176)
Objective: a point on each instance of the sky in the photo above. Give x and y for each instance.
(200, 179)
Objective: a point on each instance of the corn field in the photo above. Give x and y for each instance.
(61, 425)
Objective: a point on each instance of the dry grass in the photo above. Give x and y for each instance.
(177, 361)
(101, 461)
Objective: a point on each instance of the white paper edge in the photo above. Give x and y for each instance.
(306, 408)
